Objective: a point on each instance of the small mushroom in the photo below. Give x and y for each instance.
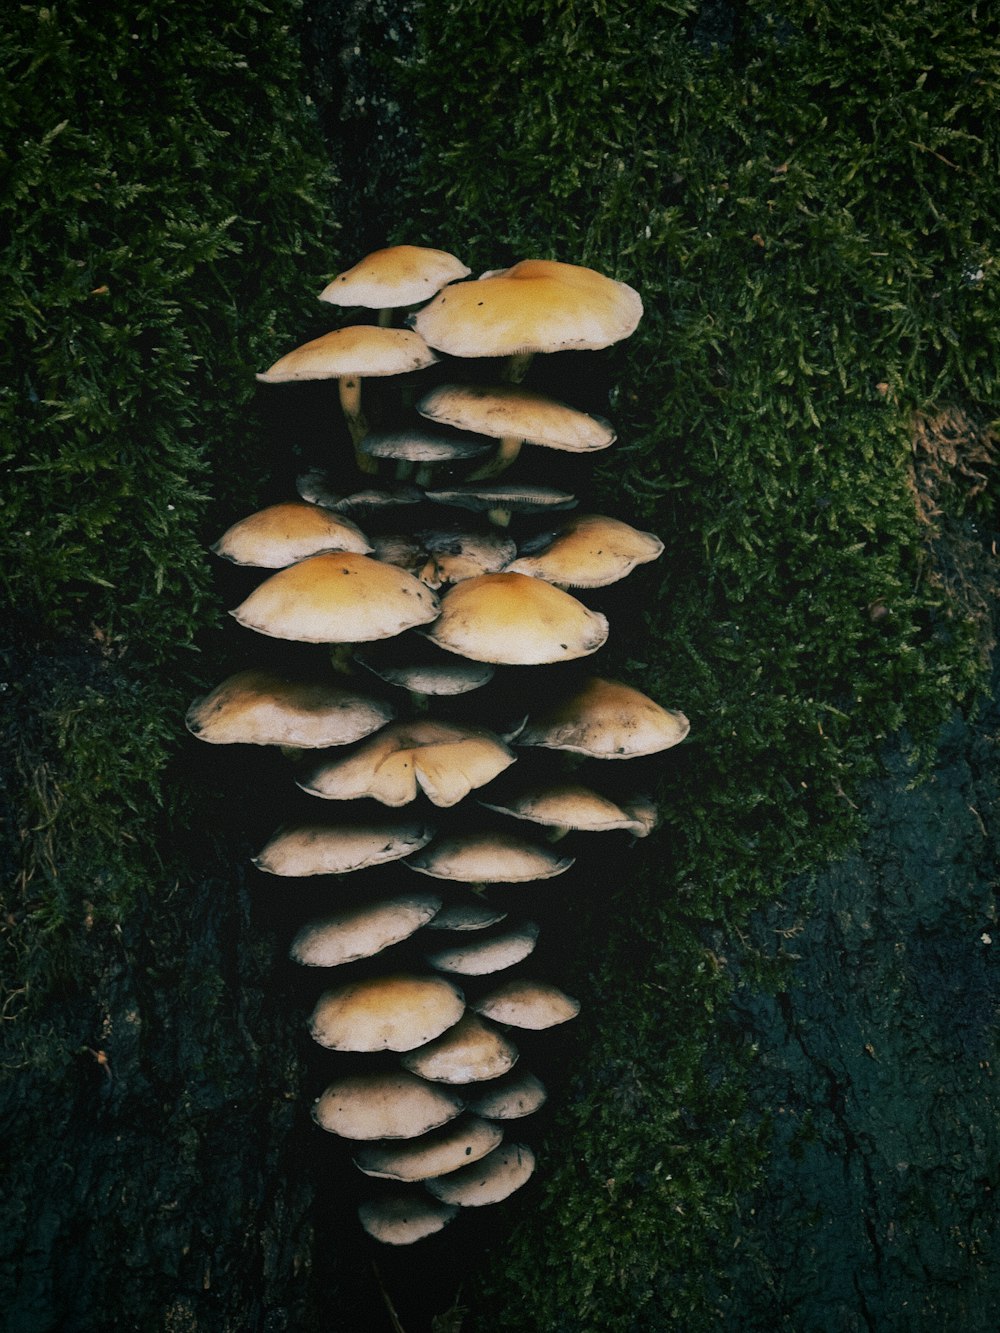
(490, 1180)
(472, 913)
(319, 487)
(484, 954)
(261, 708)
(527, 1004)
(605, 719)
(589, 551)
(471, 1051)
(421, 448)
(516, 1094)
(339, 849)
(568, 806)
(404, 1218)
(426, 671)
(435, 1154)
(283, 534)
(399, 275)
(384, 1104)
(393, 1013)
(499, 500)
(362, 930)
(488, 858)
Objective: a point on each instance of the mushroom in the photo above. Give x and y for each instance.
(404, 1218)
(514, 415)
(605, 719)
(384, 1104)
(527, 1004)
(588, 551)
(516, 1094)
(319, 487)
(484, 954)
(515, 620)
(490, 1180)
(434, 1154)
(260, 708)
(455, 555)
(500, 499)
(426, 671)
(394, 1013)
(283, 534)
(472, 913)
(443, 760)
(488, 858)
(568, 806)
(349, 356)
(422, 447)
(339, 849)
(362, 930)
(471, 1051)
(399, 275)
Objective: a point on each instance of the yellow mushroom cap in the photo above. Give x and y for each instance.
(471, 1051)
(362, 351)
(489, 858)
(605, 719)
(260, 708)
(283, 534)
(362, 930)
(337, 598)
(508, 411)
(434, 1154)
(589, 551)
(393, 1013)
(339, 849)
(443, 760)
(396, 276)
(515, 620)
(491, 1180)
(527, 1004)
(537, 305)
(404, 1218)
(384, 1104)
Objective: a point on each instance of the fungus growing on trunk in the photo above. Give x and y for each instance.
(527, 1004)
(470, 1052)
(605, 719)
(483, 954)
(384, 1104)
(488, 858)
(261, 708)
(362, 930)
(567, 806)
(587, 551)
(339, 849)
(435, 1154)
(404, 1218)
(490, 1180)
(393, 1013)
(511, 1097)
(399, 275)
(283, 534)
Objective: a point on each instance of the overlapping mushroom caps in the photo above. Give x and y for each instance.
(587, 551)
(399, 275)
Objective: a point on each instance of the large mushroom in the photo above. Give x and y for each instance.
(605, 719)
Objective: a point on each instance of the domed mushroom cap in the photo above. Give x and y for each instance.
(260, 708)
(538, 305)
(434, 1154)
(384, 1104)
(362, 930)
(446, 677)
(419, 445)
(283, 534)
(363, 351)
(505, 411)
(516, 1094)
(606, 720)
(484, 954)
(470, 1051)
(514, 620)
(394, 1013)
(490, 1180)
(488, 858)
(527, 1004)
(443, 760)
(403, 1219)
(339, 849)
(396, 276)
(568, 805)
(589, 551)
(337, 599)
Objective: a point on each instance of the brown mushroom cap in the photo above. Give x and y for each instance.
(434, 1154)
(260, 708)
(471, 1051)
(362, 930)
(395, 276)
(337, 598)
(490, 1180)
(488, 858)
(339, 849)
(605, 719)
(384, 1104)
(361, 351)
(283, 534)
(589, 551)
(538, 305)
(505, 411)
(394, 1013)
(527, 1004)
(568, 805)
(485, 954)
(516, 1094)
(443, 760)
(404, 1218)
(514, 620)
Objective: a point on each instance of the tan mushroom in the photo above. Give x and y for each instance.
(423, 449)
(490, 1180)
(588, 551)
(261, 708)
(471, 1051)
(484, 954)
(499, 500)
(488, 858)
(404, 1218)
(519, 1003)
(349, 356)
(339, 849)
(384, 1104)
(567, 806)
(391, 1013)
(514, 620)
(442, 760)
(605, 719)
(283, 534)
(472, 913)
(435, 1154)
(362, 930)
(511, 1097)
(399, 275)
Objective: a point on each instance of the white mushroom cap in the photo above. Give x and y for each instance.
(337, 598)
(505, 411)
(393, 1013)
(362, 930)
(489, 858)
(395, 276)
(589, 551)
(519, 1003)
(514, 620)
(485, 954)
(283, 534)
(402, 1219)
(434, 1154)
(361, 351)
(537, 305)
(516, 1094)
(605, 719)
(338, 849)
(490, 1180)
(260, 708)
(443, 760)
(470, 1051)
(384, 1104)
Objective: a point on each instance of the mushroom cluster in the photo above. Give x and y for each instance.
(402, 730)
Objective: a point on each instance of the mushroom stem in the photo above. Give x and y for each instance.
(341, 658)
(506, 454)
(499, 517)
(357, 424)
(385, 317)
(516, 367)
